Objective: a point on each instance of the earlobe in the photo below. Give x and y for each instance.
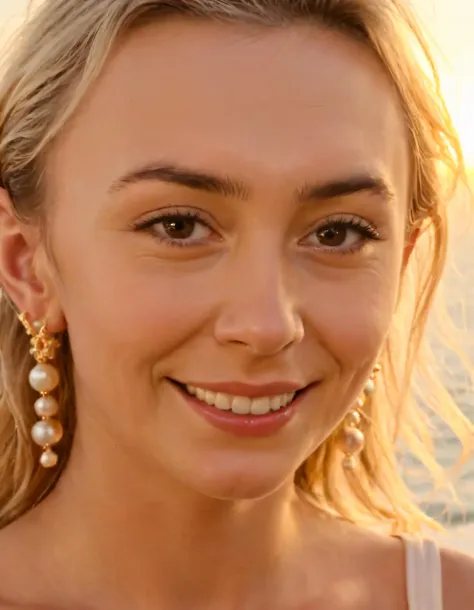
(18, 249)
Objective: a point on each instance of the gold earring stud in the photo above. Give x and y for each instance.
(351, 438)
(44, 378)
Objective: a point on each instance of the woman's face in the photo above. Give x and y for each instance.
(229, 213)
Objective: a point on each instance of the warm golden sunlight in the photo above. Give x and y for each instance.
(450, 23)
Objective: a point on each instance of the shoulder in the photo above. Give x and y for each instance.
(458, 580)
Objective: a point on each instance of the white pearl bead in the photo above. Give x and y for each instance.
(369, 387)
(46, 406)
(351, 441)
(37, 325)
(353, 418)
(48, 432)
(349, 463)
(44, 378)
(48, 459)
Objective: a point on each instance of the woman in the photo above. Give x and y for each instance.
(207, 216)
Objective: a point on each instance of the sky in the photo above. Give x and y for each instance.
(450, 26)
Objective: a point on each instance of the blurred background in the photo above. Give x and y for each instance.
(449, 24)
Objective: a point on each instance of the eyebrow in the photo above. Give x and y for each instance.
(370, 183)
(228, 187)
(182, 176)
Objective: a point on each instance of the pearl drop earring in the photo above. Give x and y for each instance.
(351, 439)
(44, 378)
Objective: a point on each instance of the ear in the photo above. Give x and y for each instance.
(410, 246)
(26, 274)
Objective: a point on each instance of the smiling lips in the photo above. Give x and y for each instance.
(244, 410)
(242, 405)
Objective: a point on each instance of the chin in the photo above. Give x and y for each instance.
(221, 468)
(234, 483)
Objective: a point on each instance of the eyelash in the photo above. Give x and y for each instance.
(148, 224)
(366, 230)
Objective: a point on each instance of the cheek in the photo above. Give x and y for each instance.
(125, 312)
(352, 313)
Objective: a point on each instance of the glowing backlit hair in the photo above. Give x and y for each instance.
(59, 52)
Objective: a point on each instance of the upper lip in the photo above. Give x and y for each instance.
(236, 388)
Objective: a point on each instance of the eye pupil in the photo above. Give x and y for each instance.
(179, 228)
(333, 236)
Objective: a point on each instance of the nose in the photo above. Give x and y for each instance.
(259, 312)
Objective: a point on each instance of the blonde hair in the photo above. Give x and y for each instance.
(60, 51)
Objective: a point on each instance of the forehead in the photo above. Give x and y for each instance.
(296, 99)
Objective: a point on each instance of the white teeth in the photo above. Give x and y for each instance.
(260, 406)
(275, 403)
(241, 405)
(222, 402)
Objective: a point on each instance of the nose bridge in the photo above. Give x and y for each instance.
(260, 310)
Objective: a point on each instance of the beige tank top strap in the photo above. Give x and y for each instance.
(423, 574)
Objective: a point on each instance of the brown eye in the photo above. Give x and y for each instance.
(179, 227)
(342, 234)
(332, 237)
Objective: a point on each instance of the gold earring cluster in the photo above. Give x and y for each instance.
(44, 378)
(351, 438)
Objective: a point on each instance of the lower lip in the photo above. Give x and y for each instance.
(244, 425)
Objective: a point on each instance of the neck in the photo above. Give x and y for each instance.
(150, 535)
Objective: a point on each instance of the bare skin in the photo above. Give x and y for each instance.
(157, 508)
